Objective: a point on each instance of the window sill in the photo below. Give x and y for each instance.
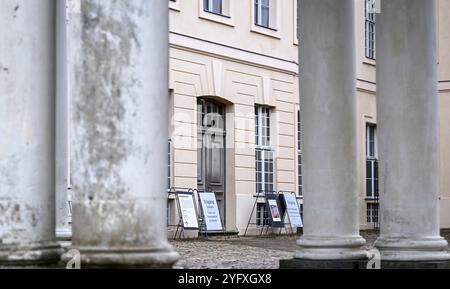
(271, 32)
(217, 18)
(371, 62)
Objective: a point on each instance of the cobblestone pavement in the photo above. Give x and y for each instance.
(244, 253)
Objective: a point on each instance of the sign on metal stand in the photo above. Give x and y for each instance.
(210, 214)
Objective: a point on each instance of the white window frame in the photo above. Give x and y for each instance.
(373, 213)
(274, 19)
(299, 144)
(264, 148)
(170, 164)
(370, 31)
(225, 18)
(373, 159)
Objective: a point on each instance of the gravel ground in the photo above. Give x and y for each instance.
(244, 253)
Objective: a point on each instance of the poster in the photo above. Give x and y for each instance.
(274, 211)
(292, 209)
(211, 213)
(188, 212)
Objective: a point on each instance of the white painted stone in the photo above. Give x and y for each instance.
(63, 220)
(408, 117)
(328, 109)
(119, 133)
(27, 134)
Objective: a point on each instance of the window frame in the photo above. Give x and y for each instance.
(372, 161)
(273, 30)
(299, 144)
(226, 17)
(264, 152)
(370, 51)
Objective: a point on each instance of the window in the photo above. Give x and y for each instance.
(262, 13)
(370, 37)
(371, 163)
(299, 156)
(213, 6)
(372, 213)
(169, 164)
(264, 152)
(262, 215)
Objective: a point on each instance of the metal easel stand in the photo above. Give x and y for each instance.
(202, 222)
(180, 228)
(260, 195)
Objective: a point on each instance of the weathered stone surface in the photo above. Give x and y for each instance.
(408, 117)
(119, 133)
(27, 99)
(328, 104)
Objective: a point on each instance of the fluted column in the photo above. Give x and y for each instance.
(328, 111)
(119, 134)
(408, 117)
(27, 134)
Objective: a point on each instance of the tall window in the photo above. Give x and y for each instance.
(169, 164)
(371, 162)
(262, 13)
(372, 174)
(264, 151)
(299, 156)
(370, 20)
(213, 6)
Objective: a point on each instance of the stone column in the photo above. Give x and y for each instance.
(63, 227)
(408, 120)
(328, 111)
(119, 134)
(27, 134)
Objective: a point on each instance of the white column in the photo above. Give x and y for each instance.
(408, 117)
(328, 109)
(63, 227)
(27, 134)
(119, 134)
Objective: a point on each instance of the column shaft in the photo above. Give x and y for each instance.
(328, 111)
(408, 131)
(27, 134)
(63, 227)
(119, 134)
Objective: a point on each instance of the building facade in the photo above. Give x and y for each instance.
(239, 63)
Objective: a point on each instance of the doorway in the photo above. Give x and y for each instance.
(211, 150)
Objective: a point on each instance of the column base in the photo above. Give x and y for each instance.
(331, 248)
(390, 265)
(146, 258)
(300, 264)
(411, 250)
(30, 255)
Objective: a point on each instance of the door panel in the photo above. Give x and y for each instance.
(211, 150)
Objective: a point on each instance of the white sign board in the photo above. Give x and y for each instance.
(211, 211)
(293, 210)
(188, 213)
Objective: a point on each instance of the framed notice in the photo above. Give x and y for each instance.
(290, 207)
(188, 211)
(210, 211)
(273, 206)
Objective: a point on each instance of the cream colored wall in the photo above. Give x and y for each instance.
(188, 19)
(240, 86)
(444, 97)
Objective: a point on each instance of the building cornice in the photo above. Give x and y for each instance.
(230, 53)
